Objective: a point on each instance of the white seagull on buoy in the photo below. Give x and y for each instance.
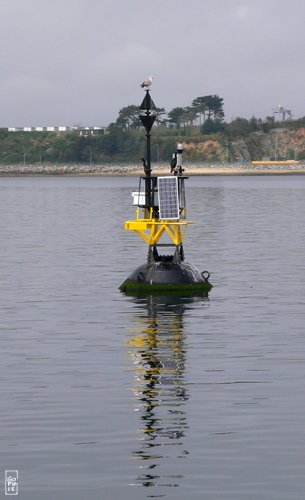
(147, 82)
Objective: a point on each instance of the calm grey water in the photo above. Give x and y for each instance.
(105, 396)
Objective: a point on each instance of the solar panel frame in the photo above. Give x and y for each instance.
(168, 198)
(181, 193)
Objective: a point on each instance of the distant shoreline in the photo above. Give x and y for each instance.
(136, 170)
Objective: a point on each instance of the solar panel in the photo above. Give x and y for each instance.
(168, 198)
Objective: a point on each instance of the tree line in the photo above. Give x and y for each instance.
(125, 141)
(204, 116)
(202, 109)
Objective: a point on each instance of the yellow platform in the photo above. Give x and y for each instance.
(151, 230)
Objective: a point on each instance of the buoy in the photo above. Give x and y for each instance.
(160, 215)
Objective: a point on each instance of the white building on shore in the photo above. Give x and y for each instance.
(84, 131)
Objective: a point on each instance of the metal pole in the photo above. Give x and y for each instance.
(148, 153)
(148, 116)
(148, 175)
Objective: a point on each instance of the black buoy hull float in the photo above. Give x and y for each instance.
(175, 277)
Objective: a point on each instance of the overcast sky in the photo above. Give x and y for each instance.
(66, 62)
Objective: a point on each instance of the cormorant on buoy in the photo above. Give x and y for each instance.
(147, 82)
(145, 166)
(173, 162)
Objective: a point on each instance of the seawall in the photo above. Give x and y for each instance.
(136, 170)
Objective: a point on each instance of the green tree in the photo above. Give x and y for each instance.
(129, 117)
(212, 126)
(160, 112)
(200, 106)
(238, 127)
(214, 105)
(188, 117)
(175, 116)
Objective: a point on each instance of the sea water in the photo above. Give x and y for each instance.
(105, 396)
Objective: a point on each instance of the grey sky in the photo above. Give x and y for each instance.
(80, 61)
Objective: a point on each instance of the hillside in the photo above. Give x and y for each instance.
(39, 148)
(278, 143)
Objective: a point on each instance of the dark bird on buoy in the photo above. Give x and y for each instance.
(173, 162)
(147, 82)
(145, 166)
